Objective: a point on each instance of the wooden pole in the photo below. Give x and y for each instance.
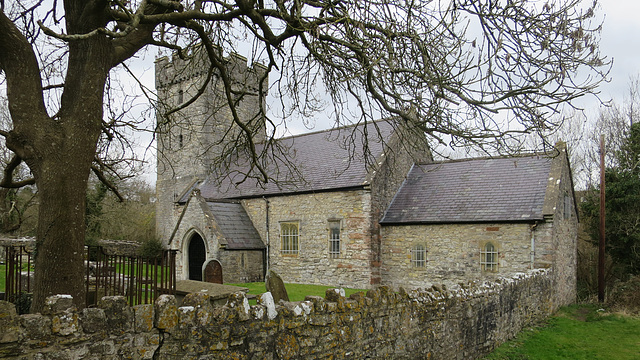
(602, 225)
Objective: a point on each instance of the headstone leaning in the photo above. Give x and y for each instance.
(275, 286)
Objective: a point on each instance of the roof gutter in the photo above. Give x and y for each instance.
(444, 222)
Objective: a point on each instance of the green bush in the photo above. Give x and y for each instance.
(23, 303)
(151, 249)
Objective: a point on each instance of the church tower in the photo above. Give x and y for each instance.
(191, 140)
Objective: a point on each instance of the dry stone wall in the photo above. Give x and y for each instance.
(422, 324)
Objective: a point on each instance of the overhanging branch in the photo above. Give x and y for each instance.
(109, 184)
(7, 180)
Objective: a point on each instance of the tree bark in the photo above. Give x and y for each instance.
(62, 176)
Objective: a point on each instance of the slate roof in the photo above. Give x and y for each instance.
(236, 226)
(475, 190)
(325, 160)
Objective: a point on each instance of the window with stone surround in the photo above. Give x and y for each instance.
(489, 257)
(568, 204)
(180, 97)
(289, 237)
(334, 239)
(419, 256)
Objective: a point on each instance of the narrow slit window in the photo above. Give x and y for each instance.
(334, 239)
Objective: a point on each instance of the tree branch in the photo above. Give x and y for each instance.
(24, 84)
(7, 179)
(109, 184)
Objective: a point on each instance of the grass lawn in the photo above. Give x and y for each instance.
(576, 332)
(3, 273)
(296, 292)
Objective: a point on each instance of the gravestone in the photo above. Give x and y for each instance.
(275, 286)
(213, 272)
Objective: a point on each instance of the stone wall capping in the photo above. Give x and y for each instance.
(318, 302)
(143, 316)
(93, 320)
(382, 322)
(166, 313)
(9, 323)
(57, 304)
(266, 300)
(119, 315)
(334, 294)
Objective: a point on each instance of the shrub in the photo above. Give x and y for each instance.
(151, 248)
(625, 296)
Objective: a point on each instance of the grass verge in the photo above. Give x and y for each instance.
(296, 292)
(576, 332)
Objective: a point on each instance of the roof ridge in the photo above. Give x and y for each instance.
(343, 127)
(499, 157)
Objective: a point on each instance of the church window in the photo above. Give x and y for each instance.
(568, 205)
(334, 239)
(489, 257)
(289, 238)
(419, 255)
(180, 141)
(180, 96)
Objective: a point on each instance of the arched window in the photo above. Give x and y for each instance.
(289, 238)
(180, 96)
(489, 257)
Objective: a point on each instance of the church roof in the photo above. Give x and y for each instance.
(474, 190)
(236, 226)
(323, 160)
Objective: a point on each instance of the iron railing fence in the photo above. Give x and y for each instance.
(140, 279)
(17, 271)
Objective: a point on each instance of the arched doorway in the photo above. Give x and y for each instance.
(197, 256)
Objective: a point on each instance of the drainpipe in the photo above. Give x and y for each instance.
(266, 270)
(533, 244)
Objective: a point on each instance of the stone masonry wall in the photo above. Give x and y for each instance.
(313, 264)
(564, 234)
(194, 221)
(242, 266)
(238, 266)
(453, 252)
(432, 324)
(393, 166)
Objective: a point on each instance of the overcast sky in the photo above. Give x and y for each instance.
(621, 42)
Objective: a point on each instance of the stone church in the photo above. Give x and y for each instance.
(337, 217)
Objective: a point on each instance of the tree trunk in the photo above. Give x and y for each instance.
(62, 171)
(59, 264)
(60, 149)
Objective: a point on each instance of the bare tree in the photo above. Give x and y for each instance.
(16, 204)
(463, 72)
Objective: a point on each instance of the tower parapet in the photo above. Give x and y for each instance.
(173, 70)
